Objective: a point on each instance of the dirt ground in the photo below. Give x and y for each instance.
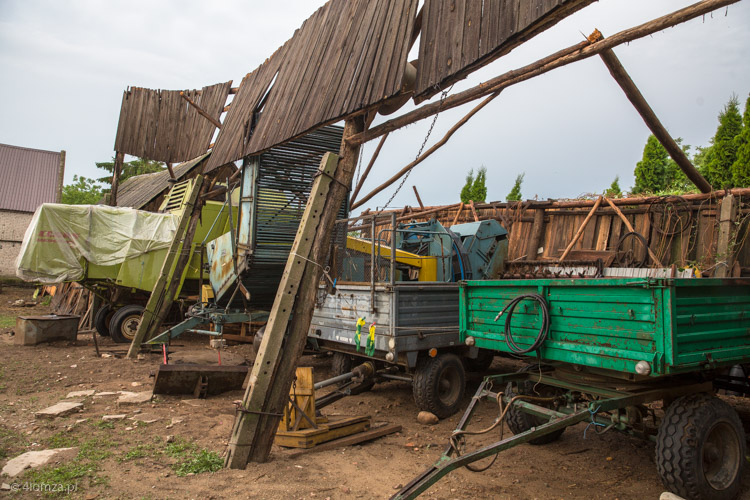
(125, 459)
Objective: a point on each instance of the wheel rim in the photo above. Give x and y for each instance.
(721, 456)
(130, 325)
(448, 386)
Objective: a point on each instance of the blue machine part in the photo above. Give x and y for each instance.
(486, 245)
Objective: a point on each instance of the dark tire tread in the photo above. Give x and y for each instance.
(519, 421)
(118, 318)
(426, 381)
(678, 445)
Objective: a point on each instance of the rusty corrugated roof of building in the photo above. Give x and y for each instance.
(138, 191)
(28, 177)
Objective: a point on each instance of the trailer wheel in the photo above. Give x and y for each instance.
(481, 363)
(343, 363)
(700, 448)
(519, 421)
(439, 384)
(102, 320)
(125, 323)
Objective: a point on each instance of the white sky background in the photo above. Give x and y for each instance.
(64, 65)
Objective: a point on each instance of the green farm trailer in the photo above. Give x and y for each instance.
(118, 253)
(600, 351)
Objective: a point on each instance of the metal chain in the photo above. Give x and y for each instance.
(421, 149)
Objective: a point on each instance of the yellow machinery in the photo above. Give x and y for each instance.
(426, 265)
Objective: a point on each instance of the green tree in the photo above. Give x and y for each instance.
(466, 191)
(129, 169)
(723, 151)
(614, 190)
(475, 189)
(741, 165)
(83, 191)
(515, 193)
(651, 171)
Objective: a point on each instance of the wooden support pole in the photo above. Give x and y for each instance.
(419, 200)
(175, 262)
(537, 232)
(473, 211)
(367, 170)
(427, 153)
(201, 111)
(60, 177)
(630, 228)
(116, 170)
(561, 58)
(634, 95)
(268, 388)
(458, 214)
(724, 247)
(171, 172)
(581, 229)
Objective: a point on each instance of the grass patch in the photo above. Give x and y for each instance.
(103, 424)
(10, 441)
(199, 462)
(140, 451)
(96, 449)
(180, 447)
(62, 439)
(7, 321)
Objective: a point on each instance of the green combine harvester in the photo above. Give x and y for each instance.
(118, 253)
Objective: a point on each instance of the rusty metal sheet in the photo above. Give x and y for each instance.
(182, 379)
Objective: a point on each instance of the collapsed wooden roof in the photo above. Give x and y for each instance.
(349, 56)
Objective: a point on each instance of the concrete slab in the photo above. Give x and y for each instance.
(32, 459)
(136, 398)
(59, 410)
(146, 418)
(114, 417)
(80, 394)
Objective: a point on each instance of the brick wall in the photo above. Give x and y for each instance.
(12, 228)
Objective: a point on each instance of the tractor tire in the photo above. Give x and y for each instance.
(481, 363)
(700, 448)
(125, 323)
(343, 363)
(519, 421)
(102, 319)
(439, 384)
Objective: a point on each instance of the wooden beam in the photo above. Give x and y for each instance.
(161, 298)
(419, 200)
(171, 172)
(473, 211)
(60, 177)
(537, 232)
(367, 170)
(458, 213)
(200, 111)
(634, 95)
(116, 170)
(427, 153)
(630, 228)
(724, 248)
(561, 58)
(581, 229)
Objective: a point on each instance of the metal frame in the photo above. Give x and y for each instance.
(561, 418)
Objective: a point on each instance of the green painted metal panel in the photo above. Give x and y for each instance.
(676, 325)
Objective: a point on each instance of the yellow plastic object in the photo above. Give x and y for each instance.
(207, 293)
(427, 265)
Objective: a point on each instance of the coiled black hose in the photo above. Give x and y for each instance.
(543, 330)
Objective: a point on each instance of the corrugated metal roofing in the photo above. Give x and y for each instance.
(138, 191)
(28, 177)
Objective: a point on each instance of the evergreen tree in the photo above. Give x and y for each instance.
(676, 180)
(83, 191)
(479, 186)
(741, 166)
(467, 190)
(614, 190)
(651, 171)
(723, 152)
(515, 193)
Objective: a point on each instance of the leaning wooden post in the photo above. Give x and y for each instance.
(117, 168)
(630, 228)
(177, 257)
(634, 95)
(273, 371)
(724, 246)
(581, 229)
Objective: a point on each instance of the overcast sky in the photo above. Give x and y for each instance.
(64, 65)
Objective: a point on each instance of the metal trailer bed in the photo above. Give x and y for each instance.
(606, 349)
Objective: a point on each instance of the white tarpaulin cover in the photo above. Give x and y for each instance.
(61, 237)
